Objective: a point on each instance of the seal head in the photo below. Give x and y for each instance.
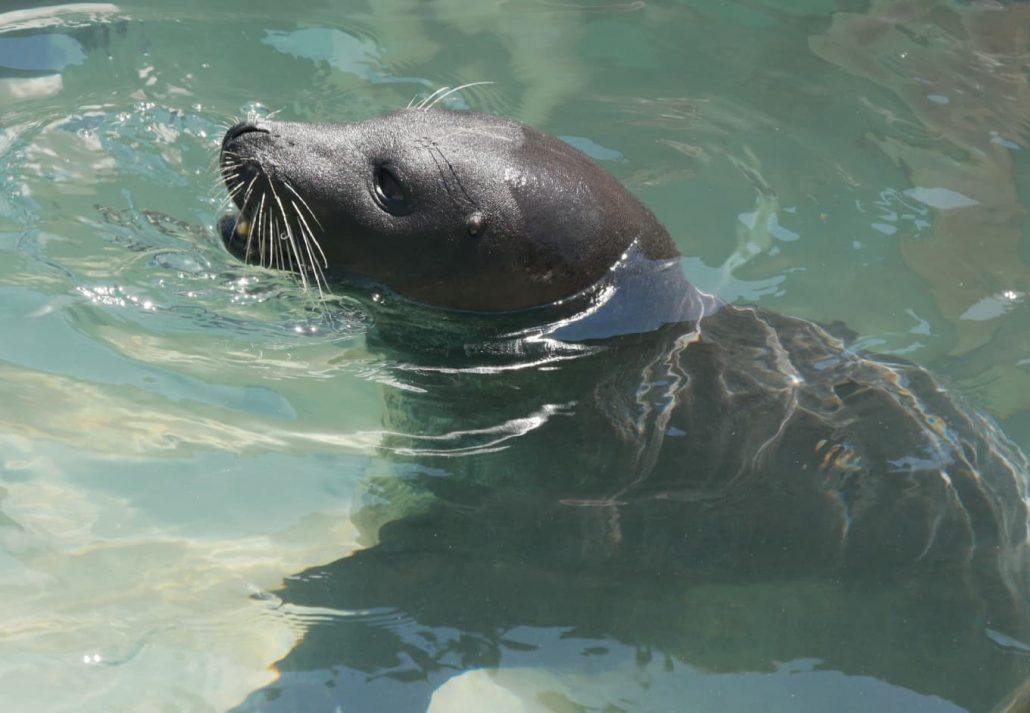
(457, 210)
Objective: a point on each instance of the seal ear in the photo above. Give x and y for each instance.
(475, 223)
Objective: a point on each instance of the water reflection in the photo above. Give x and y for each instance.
(956, 71)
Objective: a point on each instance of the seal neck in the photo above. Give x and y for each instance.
(637, 295)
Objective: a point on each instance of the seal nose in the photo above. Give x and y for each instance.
(238, 130)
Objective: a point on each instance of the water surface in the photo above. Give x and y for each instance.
(181, 434)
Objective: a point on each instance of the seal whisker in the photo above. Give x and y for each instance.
(224, 203)
(278, 260)
(275, 248)
(246, 189)
(228, 123)
(268, 240)
(317, 276)
(225, 194)
(259, 227)
(230, 196)
(311, 235)
(273, 239)
(230, 160)
(293, 248)
(422, 104)
(253, 245)
(304, 203)
(245, 216)
(246, 195)
(225, 174)
(308, 237)
(294, 257)
(231, 176)
(237, 184)
(297, 258)
(229, 172)
(305, 231)
(229, 169)
(282, 246)
(452, 91)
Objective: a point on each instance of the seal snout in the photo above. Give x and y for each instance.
(237, 130)
(240, 157)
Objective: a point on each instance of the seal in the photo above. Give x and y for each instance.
(573, 422)
(453, 209)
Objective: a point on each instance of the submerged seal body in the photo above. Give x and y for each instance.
(576, 417)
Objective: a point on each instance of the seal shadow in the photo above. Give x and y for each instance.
(724, 492)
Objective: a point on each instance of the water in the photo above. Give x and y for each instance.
(181, 434)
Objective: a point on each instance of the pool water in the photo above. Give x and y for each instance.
(191, 448)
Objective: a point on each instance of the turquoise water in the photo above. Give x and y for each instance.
(181, 434)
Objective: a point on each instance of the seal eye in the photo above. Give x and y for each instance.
(389, 191)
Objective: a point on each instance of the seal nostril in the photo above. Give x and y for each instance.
(238, 130)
